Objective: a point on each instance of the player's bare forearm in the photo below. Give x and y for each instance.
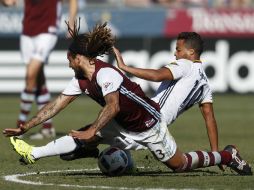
(73, 8)
(141, 73)
(89, 135)
(156, 75)
(108, 112)
(105, 115)
(8, 2)
(49, 111)
(213, 136)
(44, 114)
(211, 125)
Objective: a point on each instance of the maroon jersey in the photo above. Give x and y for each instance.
(137, 111)
(41, 16)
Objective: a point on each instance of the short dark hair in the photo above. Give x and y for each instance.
(94, 43)
(192, 40)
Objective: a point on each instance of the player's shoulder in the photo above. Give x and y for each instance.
(180, 62)
(108, 73)
(184, 61)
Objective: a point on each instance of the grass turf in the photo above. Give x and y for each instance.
(235, 117)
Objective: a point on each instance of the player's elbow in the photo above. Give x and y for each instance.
(158, 76)
(207, 109)
(155, 78)
(115, 109)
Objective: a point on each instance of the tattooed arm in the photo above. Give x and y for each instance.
(47, 112)
(109, 111)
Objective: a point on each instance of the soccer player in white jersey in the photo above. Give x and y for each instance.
(183, 84)
(117, 95)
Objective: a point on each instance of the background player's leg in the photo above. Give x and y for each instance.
(42, 98)
(28, 95)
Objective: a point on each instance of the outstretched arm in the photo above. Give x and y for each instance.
(8, 2)
(211, 125)
(73, 9)
(108, 112)
(156, 75)
(47, 112)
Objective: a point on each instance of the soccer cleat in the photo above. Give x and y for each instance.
(81, 153)
(44, 133)
(23, 149)
(237, 163)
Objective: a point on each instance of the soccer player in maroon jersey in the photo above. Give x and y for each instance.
(137, 118)
(38, 38)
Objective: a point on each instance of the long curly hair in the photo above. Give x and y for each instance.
(94, 43)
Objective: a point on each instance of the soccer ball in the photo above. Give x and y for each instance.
(113, 161)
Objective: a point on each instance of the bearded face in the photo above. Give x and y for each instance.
(79, 73)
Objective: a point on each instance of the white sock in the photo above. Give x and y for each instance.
(59, 146)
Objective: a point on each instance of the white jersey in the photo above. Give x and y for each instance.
(190, 86)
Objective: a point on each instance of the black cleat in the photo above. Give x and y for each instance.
(237, 163)
(81, 153)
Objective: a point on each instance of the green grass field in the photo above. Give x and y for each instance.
(235, 117)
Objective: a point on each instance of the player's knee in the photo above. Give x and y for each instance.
(175, 165)
(30, 81)
(176, 162)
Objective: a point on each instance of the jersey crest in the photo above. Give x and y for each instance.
(107, 86)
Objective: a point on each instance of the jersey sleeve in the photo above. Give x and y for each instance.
(207, 96)
(179, 68)
(72, 88)
(109, 80)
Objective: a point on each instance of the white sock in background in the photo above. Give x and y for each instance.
(26, 100)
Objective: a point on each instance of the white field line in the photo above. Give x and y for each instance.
(16, 178)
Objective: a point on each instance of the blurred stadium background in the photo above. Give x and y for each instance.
(145, 31)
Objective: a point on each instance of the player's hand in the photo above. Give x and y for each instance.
(87, 136)
(9, 132)
(8, 3)
(119, 59)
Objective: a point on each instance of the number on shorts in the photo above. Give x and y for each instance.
(159, 154)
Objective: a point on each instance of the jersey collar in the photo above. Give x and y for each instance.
(197, 61)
